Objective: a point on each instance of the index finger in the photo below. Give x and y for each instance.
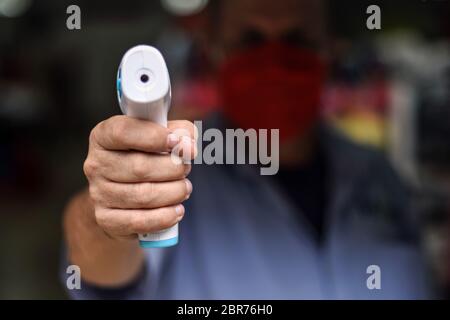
(183, 128)
(126, 133)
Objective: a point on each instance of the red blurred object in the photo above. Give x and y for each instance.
(199, 93)
(341, 98)
(273, 86)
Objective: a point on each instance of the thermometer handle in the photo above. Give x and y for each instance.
(143, 89)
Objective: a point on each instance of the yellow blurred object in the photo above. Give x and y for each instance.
(363, 127)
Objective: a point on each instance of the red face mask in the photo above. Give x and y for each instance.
(273, 86)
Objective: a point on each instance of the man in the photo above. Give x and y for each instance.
(334, 222)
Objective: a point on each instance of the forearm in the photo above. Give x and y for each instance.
(103, 260)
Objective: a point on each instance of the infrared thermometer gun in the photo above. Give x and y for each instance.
(143, 91)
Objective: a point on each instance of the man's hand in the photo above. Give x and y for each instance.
(135, 186)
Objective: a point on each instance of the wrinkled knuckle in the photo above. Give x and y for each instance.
(139, 168)
(93, 135)
(119, 128)
(98, 131)
(102, 218)
(142, 195)
(138, 223)
(153, 136)
(150, 193)
(94, 193)
(90, 167)
(106, 194)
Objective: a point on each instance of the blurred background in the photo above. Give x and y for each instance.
(389, 88)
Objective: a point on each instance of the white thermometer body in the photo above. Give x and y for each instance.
(143, 90)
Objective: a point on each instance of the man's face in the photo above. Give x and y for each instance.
(270, 73)
(246, 23)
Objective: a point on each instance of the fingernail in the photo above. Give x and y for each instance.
(195, 132)
(187, 170)
(186, 141)
(194, 143)
(179, 209)
(172, 140)
(188, 186)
